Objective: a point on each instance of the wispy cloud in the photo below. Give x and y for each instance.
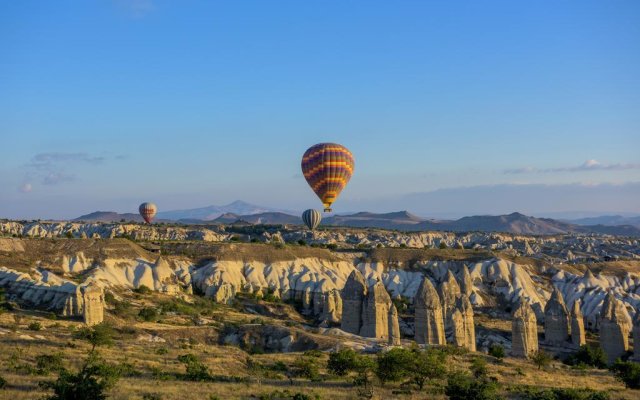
(25, 188)
(52, 168)
(137, 8)
(44, 160)
(589, 165)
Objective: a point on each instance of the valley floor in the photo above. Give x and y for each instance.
(154, 371)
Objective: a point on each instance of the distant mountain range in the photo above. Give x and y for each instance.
(240, 212)
(610, 220)
(210, 213)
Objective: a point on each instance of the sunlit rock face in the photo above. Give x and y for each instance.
(614, 328)
(429, 319)
(375, 313)
(353, 295)
(464, 334)
(578, 337)
(524, 331)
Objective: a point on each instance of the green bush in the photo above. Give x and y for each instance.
(591, 356)
(541, 359)
(461, 386)
(195, 369)
(496, 351)
(3, 383)
(306, 367)
(99, 335)
(478, 367)
(342, 361)
(561, 394)
(628, 372)
(148, 314)
(46, 363)
(394, 364)
(142, 289)
(442, 245)
(91, 382)
(34, 326)
(427, 365)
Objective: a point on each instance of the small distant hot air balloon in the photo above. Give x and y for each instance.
(327, 167)
(148, 211)
(311, 218)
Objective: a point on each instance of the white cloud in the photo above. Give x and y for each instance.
(25, 188)
(589, 165)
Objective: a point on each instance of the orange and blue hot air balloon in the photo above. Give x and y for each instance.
(148, 211)
(327, 167)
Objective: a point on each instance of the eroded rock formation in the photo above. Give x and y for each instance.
(449, 291)
(429, 319)
(394, 326)
(375, 313)
(524, 331)
(464, 334)
(577, 325)
(556, 320)
(614, 328)
(353, 293)
(93, 307)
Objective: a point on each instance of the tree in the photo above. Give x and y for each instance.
(479, 367)
(427, 365)
(628, 372)
(394, 364)
(541, 359)
(342, 361)
(461, 386)
(588, 355)
(442, 245)
(496, 351)
(99, 335)
(91, 382)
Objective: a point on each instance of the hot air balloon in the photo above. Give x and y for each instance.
(311, 218)
(148, 211)
(327, 167)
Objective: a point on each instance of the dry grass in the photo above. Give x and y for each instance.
(147, 357)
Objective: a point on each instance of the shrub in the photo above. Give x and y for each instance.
(496, 351)
(142, 289)
(562, 394)
(3, 383)
(91, 382)
(148, 314)
(302, 242)
(306, 367)
(195, 369)
(34, 326)
(628, 372)
(427, 365)
(592, 356)
(461, 386)
(541, 359)
(478, 367)
(394, 364)
(99, 335)
(342, 361)
(46, 363)
(442, 245)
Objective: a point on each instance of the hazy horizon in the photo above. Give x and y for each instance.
(449, 109)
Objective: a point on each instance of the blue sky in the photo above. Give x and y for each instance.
(104, 104)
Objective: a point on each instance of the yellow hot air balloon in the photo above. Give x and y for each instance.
(327, 167)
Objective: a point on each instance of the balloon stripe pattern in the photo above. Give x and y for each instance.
(311, 218)
(148, 211)
(327, 167)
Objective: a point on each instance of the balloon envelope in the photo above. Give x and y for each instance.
(311, 218)
(148, 211)
(327, 167)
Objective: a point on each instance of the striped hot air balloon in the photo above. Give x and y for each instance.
(148, 211)
(327, 167)
(311, 218)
